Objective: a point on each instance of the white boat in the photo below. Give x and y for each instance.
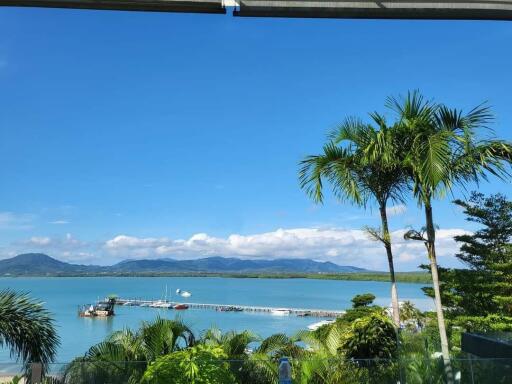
(315, 326)
(183, 293)
(280, 312)
(156, 304)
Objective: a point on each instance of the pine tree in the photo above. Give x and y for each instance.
(486, 287)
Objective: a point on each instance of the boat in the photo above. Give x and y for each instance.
(180, 306)
(101, 309)
(280, 312)
(183, 293)
(315, 326)
(156, 304)
(230, 308)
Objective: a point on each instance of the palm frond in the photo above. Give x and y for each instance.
(27, 329)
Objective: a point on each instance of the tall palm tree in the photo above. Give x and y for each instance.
(356, 177)
(440, 149)
(27, 329)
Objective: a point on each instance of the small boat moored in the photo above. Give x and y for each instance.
(230, 308)
(183, 293)
(180, 306)
(280, 312)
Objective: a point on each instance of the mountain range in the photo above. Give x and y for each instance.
(32, 264)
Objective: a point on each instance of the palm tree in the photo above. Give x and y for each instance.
(124, 355)
(359, 178)
(440, 148)
(27, 329)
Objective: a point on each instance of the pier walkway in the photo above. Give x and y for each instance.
(240, 308)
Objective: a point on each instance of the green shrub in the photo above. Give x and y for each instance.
(371, 337)
(362, 300)
(202, 364)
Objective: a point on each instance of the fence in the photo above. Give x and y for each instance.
(273, 370)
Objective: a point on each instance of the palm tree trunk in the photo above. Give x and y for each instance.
(387, 244)
(431, 239)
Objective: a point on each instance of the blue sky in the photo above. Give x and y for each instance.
(173, 135)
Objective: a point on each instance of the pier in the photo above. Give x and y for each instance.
(240, 308)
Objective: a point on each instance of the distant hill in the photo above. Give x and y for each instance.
(232, 265)
(41, 264)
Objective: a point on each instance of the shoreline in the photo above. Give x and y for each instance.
(401, 277)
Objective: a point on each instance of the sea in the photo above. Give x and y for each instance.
(63, 295)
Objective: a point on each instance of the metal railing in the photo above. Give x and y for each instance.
(468, 370)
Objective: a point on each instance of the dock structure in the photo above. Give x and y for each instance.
(241, 308)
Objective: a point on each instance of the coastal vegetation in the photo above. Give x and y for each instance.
(404, 277)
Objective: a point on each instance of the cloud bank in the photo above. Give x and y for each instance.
(341, 246)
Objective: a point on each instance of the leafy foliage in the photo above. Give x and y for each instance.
(27, 329)
(362, 300)
(370, 337)
(124, 355)
(483, 290)
(490, 244)
(201, 364)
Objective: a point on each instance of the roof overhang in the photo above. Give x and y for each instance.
(192, 6)
(497, 345)
(390, 9)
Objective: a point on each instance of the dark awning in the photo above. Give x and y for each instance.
(193, 6)
(496, 345)
(391, 9)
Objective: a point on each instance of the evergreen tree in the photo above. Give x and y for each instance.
(486, 287)
(490, 244)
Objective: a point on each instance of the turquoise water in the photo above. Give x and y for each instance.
(63, 295)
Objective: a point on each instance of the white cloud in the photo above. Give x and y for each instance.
(396, 210)
(11, 220)
(59, 222)
(66, 248)
(56, 243)
(39, 241)
(342, 246)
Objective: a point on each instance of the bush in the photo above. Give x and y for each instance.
(362, 300)
(371, 337)
(202, 364)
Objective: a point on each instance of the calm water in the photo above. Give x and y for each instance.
(63, 295)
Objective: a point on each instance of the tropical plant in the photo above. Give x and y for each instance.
(409, 311)
(356, 177)
(27, 329)
(439, 149)
(246, 367)
(200, 364)
(124, 355)
(371, 337)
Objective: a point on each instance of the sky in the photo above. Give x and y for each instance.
(145, 135)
